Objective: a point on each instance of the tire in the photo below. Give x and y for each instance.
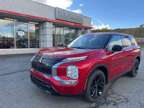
(95, 88)
(134, 71)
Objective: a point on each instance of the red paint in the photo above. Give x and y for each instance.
(57, 21)
(95, 57)
(71, 24)
(116, 64)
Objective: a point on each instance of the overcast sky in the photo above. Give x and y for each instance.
(105, 13)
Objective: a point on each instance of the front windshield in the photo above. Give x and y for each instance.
(90, 41)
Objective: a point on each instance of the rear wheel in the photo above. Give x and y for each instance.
(134, 71)
(95, 86)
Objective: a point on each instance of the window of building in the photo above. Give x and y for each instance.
(64, 35)
(21, 35)
(6, 34)
(15, 34)
(70, 35)
(34, 35)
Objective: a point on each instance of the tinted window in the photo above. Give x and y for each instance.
(115, 40)
(126, 42)
(90, 41)
(133, 41)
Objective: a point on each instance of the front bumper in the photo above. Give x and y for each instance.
(55, 84)
(42, 85)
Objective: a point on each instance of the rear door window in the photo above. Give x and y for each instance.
(126, 41)
(133, 41)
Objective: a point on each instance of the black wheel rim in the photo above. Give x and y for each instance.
(97, 86)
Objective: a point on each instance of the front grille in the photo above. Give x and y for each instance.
(42, 68)
(44, 63)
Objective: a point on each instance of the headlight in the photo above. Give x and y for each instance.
(72, 72)
(74, 59)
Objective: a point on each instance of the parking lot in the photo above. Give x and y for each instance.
(17, 91)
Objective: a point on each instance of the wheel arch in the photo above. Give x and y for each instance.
(104, 70)
(138, 58)
(101, 67)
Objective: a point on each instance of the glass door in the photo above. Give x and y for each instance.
(21, 30)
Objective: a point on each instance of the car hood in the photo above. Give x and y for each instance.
(70, 52)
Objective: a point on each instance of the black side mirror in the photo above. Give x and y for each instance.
(117, 48)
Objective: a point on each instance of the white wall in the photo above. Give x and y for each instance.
(18, 51)
(28, 7)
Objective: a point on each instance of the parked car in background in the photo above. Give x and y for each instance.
(86, 65)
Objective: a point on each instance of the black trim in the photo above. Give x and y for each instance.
(44, 64)
(107, 43)
(98, 66)
(41, 84)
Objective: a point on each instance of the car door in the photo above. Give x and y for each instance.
(128, 52)
(116, 62)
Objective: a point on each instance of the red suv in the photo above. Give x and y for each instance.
(86, 65)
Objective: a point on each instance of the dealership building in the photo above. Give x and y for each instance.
(26, 26)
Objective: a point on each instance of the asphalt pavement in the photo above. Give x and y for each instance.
(17, 91)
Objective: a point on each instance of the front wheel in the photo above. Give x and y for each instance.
(95, 86)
